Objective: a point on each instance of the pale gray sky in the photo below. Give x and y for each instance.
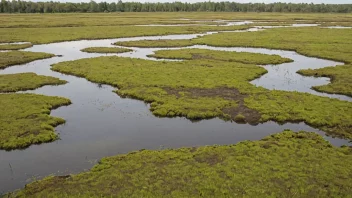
(239, 1)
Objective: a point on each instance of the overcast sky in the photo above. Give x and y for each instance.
(240, 1)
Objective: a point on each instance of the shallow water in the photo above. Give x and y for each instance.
(99, 123)
(201, 23)
(14, 43)
(287, 26)
(338, 27)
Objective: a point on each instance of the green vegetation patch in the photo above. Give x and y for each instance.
(242, 57)
(129, 72)
(106, 50)
(50, 35)
(201, 89)
(153, 81)
(331, 115)
(97, 19)
(156, 43)
(334, 44)
(25, 119)
(286, 164)
(15, 46)
(18, 57)
(78, 19)
(26, 81)
(341, 81)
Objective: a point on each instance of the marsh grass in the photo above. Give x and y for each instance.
(241, 57)
(15, 46)
(26, 81)
(25, 119)
(319, 42)
(332, 44)
(19, 57)
(156, 43)
(50, 35)
(341, 81)
(127, 18)
(106, 50)
(97, 19)
(202, 88)
(286, 164)
(330, 115)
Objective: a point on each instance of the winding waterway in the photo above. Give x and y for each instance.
(99, 123)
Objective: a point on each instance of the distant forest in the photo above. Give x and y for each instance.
(59, 7)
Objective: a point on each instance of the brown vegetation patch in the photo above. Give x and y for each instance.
(211, 159)
(250, 116)
(200, 56)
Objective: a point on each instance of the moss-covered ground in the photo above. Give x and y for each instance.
(334, 44)
(126, 18)
(203, 88)
(105, 50)
(283, 165)
(331, 44)
(241, 57)
(26, 81)
(25, 119)
(341, 80)
(157, 43)
(286, 164)
(312, 41)
(18, 57)
(40, 29)
(15, 46)
(50, 35)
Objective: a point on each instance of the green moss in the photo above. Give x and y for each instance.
(18, 57)
(199, 89)
(312, 41)
(334, 44)
(15, 46)
(156, 43)
(26, 81)
(127, 18)
(242, 57)
(97, 19)
(105, 50)
(332, 115)
(341, 81)
(50, 35)
(287, 164)
(240, 118)
(129, 72)
(25, 119)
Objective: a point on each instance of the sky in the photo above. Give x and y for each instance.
(239, 1)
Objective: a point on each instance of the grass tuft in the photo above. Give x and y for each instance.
(25, 119)
(18, 57)
(105, 50)
(26, 81)
(286, 164)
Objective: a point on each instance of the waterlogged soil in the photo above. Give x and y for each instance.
(99, 123)
(251, 116)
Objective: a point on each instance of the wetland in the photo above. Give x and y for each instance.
(176, 91)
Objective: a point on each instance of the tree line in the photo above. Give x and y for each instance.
(17, 6)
